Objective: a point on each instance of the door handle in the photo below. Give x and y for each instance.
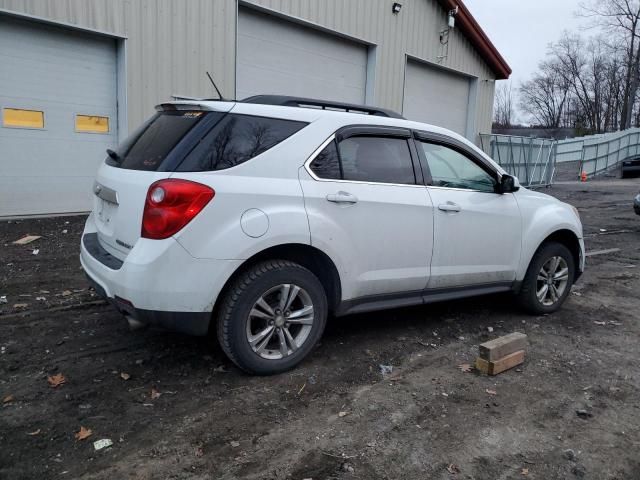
(342, 197)
(449, 207)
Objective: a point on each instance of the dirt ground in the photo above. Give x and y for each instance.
(186, 413)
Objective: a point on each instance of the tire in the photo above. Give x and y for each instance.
(533, 283)
(243, 316)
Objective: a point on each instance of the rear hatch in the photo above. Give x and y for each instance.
(150, 154)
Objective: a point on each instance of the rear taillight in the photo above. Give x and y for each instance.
(171, 204)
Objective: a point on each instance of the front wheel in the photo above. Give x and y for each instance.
(272, 317)
(548, 280)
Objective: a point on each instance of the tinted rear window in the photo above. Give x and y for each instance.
(236, 139)
(147, 148)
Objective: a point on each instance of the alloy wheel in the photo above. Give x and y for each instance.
(552, 281)
(280, 321)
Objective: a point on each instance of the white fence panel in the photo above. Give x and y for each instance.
(534, 160)
(531, 160)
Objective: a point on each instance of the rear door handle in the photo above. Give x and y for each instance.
(342, 197)
(449, 207)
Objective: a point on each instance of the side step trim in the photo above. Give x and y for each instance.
(409, 299)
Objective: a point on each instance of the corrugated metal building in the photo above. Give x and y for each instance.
(77, 75)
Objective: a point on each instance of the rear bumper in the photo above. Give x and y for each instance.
(158, 283)
(191, 323)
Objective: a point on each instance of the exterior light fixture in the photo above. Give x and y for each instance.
(452, 17)
(396, 7)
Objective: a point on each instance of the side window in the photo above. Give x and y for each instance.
(327, 163)
(454, 170)
(236, 139)
(377, 159)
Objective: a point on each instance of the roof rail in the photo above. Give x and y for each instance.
(287, 101)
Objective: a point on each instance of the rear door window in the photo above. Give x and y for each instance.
(366, 159)
(377, 159)
(236, 139)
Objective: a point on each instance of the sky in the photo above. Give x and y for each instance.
(522, 29)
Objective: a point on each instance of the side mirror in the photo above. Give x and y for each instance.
(508, 184)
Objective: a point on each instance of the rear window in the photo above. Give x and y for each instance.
(236, 139)
(148, 147)
(215, 141)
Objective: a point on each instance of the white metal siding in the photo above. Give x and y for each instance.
(170, 44)
(281, 57)
(415, 31)
(60, 73)
(436, 96)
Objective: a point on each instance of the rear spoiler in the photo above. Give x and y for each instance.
(195, 104)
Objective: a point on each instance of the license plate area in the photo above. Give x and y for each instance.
(105, 215)
(106, 207)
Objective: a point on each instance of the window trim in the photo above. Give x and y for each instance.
(372, 131)
(369, 130)
(459, 147)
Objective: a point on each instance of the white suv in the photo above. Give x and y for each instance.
(258, 219)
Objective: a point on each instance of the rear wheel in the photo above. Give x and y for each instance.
(272, 317)
(548, 280)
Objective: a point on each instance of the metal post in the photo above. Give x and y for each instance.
(535, 165)
(555, 162)
(620, 148)
(511, 156)
(582, 160)
(546, 165)
(492, 142)
(526, 166)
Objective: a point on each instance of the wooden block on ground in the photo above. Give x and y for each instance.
(27, 239)
(501, 365)
(503, 346)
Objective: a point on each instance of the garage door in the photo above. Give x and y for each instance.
(58, 115)
(436, 96)
(279, 57)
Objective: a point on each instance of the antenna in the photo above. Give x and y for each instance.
(214, 86)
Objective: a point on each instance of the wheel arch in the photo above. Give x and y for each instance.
(565, 237)
(570, 240)
(313, 259)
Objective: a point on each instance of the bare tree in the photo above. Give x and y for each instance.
(504, 105)
(545, 96)
(579, 85)
(585, 67)
(623, 18)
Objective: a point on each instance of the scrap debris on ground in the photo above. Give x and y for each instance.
(386, 395)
